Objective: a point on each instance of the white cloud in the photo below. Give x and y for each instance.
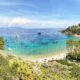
(19, 22)
(30, 23)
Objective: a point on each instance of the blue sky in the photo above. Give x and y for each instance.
(39, 13)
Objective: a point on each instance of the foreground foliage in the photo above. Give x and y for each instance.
(2, 43)
(12, 68)
(73, 48)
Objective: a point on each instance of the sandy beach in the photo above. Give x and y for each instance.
(76, 35)
(46, 59)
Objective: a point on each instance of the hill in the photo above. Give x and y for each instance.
(72, 30)
(12, 68)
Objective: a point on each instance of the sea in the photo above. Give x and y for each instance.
(34, 43)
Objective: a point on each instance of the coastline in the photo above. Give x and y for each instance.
(57, 56)
(44, 58)
(78, 36)
(69, 33)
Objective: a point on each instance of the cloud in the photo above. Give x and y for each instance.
(34, 23)
(19, 22)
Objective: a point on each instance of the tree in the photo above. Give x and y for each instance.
(73, 48)
(2, 42)
(78, 24)
(70, 46)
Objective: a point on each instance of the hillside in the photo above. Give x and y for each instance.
(12, 68)
(72, 30)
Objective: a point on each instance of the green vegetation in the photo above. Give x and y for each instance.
(73, 48)
(75, 29)
(2, 42)
(12, 68)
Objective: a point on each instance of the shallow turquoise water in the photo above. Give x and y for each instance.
(34, 42)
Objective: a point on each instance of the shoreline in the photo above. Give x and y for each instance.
(75, 35)
(78, 36)
(53, 57)
(44, 58)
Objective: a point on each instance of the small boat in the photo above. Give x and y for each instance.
(39, 33)
(17, 36)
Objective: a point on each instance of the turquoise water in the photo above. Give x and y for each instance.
(34, 42)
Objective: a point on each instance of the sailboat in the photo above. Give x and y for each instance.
(17, 36)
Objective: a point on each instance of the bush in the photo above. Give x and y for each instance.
(64, 62)
(2, 42)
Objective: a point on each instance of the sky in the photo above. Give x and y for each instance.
(39, 13)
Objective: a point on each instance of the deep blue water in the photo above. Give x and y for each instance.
(34, 42)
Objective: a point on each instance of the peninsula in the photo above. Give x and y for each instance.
(72, 30)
